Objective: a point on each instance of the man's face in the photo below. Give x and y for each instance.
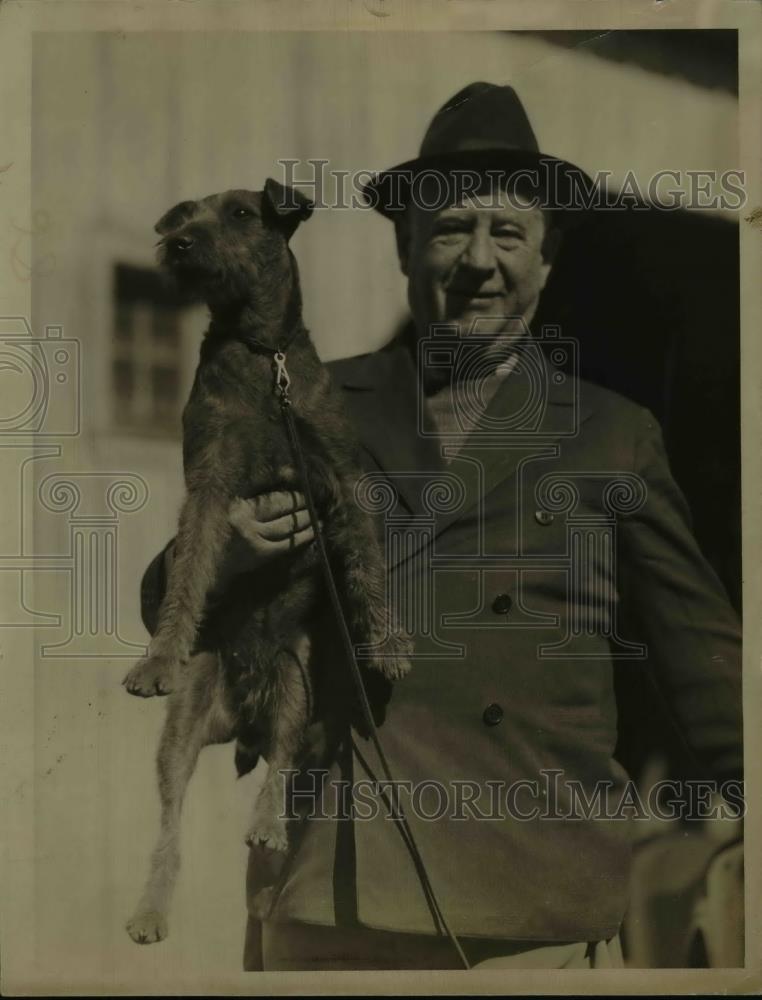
(470, 261)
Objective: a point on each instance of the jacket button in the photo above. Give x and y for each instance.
(493, 715)
(543, 517)
(502, 604)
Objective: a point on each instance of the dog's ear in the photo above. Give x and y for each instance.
(285, 206)
(175, 217)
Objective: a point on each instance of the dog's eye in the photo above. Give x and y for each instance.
(242, 213)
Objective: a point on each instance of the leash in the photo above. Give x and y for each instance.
(282, 383)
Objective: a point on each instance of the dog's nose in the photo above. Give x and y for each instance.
(181, 243)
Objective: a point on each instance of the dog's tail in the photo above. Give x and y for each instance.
(246, 756)
(256, 697)
(250, 677)
(260, 688)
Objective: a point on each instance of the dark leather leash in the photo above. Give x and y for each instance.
(282, 383)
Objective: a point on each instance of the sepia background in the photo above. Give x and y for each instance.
(126, 125)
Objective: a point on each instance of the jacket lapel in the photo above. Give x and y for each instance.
(534, 408)
(380, 391)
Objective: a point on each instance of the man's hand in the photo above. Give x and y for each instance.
(267, 526)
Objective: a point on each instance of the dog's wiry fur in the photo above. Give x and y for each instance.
(257, 684)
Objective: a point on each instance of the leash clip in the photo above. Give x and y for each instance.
(282, 378)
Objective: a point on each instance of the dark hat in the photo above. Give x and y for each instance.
(483, 127)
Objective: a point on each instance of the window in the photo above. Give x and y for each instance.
(147, 357)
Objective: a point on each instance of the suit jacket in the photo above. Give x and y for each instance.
(513, 566)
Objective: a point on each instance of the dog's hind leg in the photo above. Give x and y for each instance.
(379, 637)
(197, 715)
(354, 548)
(292, 712)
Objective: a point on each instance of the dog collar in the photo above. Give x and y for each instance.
(281, 380)
(258, 346)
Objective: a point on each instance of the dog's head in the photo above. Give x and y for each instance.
(230, 247)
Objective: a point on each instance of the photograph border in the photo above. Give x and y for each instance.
(19, 19)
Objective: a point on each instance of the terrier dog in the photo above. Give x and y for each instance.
(257, 684)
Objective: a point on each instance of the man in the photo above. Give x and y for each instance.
(534, 508)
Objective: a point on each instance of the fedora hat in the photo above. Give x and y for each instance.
(482, 127)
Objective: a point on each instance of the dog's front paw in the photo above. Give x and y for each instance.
(393, 659)
(393, 667)
(147, 927)
(151, 676)
(268, 834)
